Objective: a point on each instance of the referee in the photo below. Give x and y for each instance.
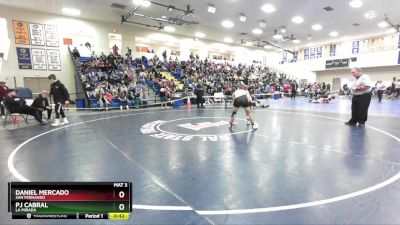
(361, 91)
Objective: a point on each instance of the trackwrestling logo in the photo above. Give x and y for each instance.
(191, 131)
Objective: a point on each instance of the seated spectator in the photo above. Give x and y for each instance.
(17, 105)
(75, 53)
(42, 104)
(3, 95)
(122, 98)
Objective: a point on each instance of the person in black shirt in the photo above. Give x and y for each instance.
(18, 105)
(60, 97)
(294, 90)
(42, 104)
(3, 95)
(199, 94)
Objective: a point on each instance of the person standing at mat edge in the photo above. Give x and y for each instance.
(60, 96)
(361, 91)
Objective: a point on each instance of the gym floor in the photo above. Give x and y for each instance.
(302, 166)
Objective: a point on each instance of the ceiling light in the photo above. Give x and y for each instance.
(164, 17)
(262, 23)
(370, 15)
(356, 3)
(169, 29)
(228, 40)
(211, 9)
(383, 24)
(72, 12)
(316, 27)
(334, 34)
(249, 43)
(257, 31)
(283, 30)
(227, 24)
(267, 46)
(296, 41)
(199, 35)
(242, 18)
(278, 36)
(297, 19)
(268, 8)
(144, 3)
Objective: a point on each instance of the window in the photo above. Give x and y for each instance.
(4, 40)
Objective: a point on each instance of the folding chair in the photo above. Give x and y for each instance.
(11, 115)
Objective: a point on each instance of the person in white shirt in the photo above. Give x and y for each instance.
(361, 91)
(380, 89)
(397, 85)
(242, 98)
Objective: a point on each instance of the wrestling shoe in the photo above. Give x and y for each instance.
(65, 121)
(255, 126)
(56, 123)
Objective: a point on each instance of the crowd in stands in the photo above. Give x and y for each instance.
(116, 78)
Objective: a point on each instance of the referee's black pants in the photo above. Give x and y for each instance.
(359, 108)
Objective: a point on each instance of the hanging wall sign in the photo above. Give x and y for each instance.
(51, 36)
(24, 58)
(356, 47)
(53, 59)
(312, 53)
(306, 54)
(37, 34)
(332, 51)
(39, 59)
(21, 32)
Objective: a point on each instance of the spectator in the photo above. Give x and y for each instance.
(75, 53)
(199, 95)
(163, 97)
(380, 90)
(18, 105)
(3, 95)
(42, 104)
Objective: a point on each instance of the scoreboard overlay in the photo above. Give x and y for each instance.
(70, 200)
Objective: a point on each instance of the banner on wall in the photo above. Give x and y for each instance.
(356, 47)
(295, 56)
(398, 44)
(37, 34)
(53, 59)
(51, 36)
(21, 32)
(312, 53)
(284, 56)
(319, 52)
(398, 62)
(24, 58)
(306, 54)
(39, 59)
(332, 51)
